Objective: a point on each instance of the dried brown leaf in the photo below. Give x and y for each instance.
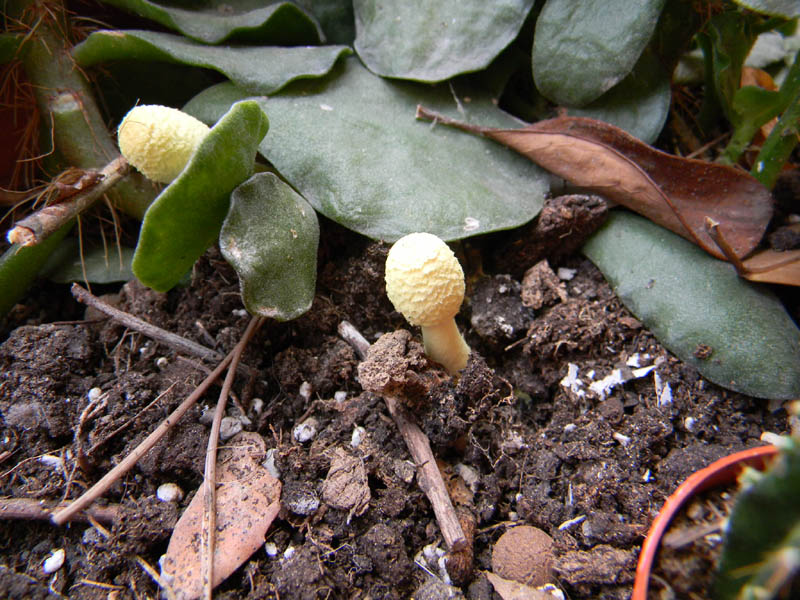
(248, 500)
(513, 590)
(674, 192)
(773, 266)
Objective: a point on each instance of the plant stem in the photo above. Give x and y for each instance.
(783, 138)
(99, 488)
(210, 477)
(172, 340)
(38, 226)
(65, 100)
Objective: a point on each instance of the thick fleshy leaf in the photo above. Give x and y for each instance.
(762, 534)
(677, 193)
(96, 265)
(789, 9)
(690, 300)
(257, 69)
(270, 236)
(186, 217)
(212, 21)
(639, 104)
(433, 41)
(583, 49)
(351, 146)
(19, 266)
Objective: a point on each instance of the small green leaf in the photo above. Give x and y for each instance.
(783, 138)
(259, 70)
(433, 41)
(688, 299)
(726, 41)
(639, 104)
(583, 49)
(270, 236)
(97, 265)
(350, 144)
(186, 217)
(212, 22)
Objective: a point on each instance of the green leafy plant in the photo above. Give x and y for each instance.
(342, 140)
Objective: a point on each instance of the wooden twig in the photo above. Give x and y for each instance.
(352, 336)
(428, 475)
(36, 228)
(35, 510)
(210, 476)
(714, 232)
(99, 488)
(162, 336)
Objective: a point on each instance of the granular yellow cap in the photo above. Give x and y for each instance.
(159, 140)
(424, 280)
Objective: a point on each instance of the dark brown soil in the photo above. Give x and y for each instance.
(516, 443)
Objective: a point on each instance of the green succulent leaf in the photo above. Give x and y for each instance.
(764, 521)
(433, 41)
(583, 49)
(212, 21)
(788, 9)
(688, 299)
(270, 236)
(351, 146)
(639, 104)
(19, 266)
(257, 69)
(96, 265)
(186, 217)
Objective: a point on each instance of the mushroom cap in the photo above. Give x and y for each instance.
(424, 280)
(159, 140)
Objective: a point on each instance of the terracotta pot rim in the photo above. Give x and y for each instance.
(720, 472)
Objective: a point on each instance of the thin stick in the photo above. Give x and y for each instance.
(37, 227)
(35, 510)
(127, 463)
(712, 228)
(429, 477)
(172, 340)
(210, 476)
(352, 336)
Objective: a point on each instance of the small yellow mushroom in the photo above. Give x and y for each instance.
(425, 283)
(159, 140)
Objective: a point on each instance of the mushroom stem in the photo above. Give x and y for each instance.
(444, 344)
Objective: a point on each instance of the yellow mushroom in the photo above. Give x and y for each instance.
(159, 140)
(425, 283)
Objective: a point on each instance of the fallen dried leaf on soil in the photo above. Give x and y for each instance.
(674, 192)
(248, 500)
(513, 590)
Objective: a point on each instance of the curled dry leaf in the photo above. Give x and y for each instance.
(773, 266)
(674, 192)
(248, 500)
